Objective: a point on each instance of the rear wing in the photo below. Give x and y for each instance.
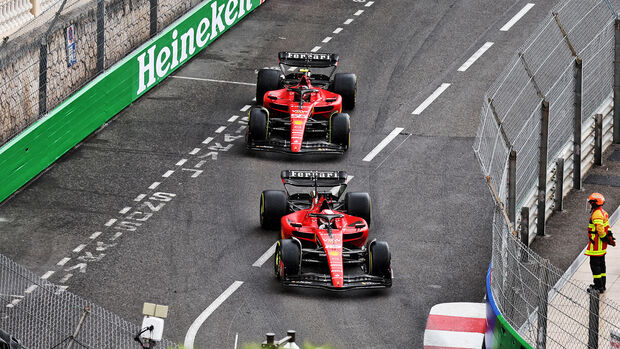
(311, 178)
(308, 59)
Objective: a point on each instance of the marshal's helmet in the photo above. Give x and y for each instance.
(596, 199)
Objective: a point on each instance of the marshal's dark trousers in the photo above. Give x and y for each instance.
(597, 265)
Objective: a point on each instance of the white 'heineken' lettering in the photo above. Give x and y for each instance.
(155, 63)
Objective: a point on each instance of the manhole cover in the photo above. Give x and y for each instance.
(613, 181)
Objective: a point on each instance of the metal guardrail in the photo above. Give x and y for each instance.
(535, 141)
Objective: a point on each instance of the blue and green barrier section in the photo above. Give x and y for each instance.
(42, 143)
(499, 333)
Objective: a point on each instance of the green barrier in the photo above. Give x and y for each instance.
(29, 153)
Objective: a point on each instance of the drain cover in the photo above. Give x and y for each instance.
(613, 181)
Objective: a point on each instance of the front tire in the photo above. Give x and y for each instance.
(379, 259)
(359, 205)
(345, 84)
(340, 130)
(287, 259)
(258, 124)
(272, 208)
(267, 80)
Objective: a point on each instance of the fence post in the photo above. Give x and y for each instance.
(100, 36)
(512, 186)
(559, 184)
(43, 77)
(543, 296)
(598, 139)
(617, 83)
(593, 323)
(577, 127)
(153, 4)
(542, 169)
(524, 232)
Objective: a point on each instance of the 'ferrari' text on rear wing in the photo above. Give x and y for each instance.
(308, 59)
(311, 178)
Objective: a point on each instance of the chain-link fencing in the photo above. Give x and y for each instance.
(68, 45)
(535, 139)
(43, 315)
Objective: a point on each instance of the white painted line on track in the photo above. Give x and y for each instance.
(66, 278)
(233, 118)
(95, 235)
(348, 21)
(207, 140)
(110, 222)
(245, 107)
(430, 99)
(63, 261)
(47, 275)
(262, 259)
(315, 48)
(124, 210)
(154, 185)
(214, 80)
(79, 248)
(168, 173)
(194, 151)
(338, 30)
(220, 129)
(193, 329)
(140, 197)
(516, 17)
(181, 162)
(116, 236)
(359, 12)
(383, 143)
(2, 219)
(475, 56)
(368, 4)
(31, 288)
(327, 38)
(334, 190)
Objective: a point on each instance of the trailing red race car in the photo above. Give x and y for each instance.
(324, 239)
(302, 111)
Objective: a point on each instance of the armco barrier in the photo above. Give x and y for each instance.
(499, 333)
(29, 153)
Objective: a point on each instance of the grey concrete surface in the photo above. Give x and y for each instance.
(430, 200)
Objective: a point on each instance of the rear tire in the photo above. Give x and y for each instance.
(340, 130)
(345, 84)
(267, 80)
(272, 208)
(379, 259)
(258, 124)
(287, 259)
(359, 205)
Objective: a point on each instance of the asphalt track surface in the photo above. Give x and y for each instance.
(188, 246)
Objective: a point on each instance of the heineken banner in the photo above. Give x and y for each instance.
(29, 153)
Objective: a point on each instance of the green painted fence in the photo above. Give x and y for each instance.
(29, 153)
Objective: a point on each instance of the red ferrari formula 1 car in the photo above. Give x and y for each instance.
(302, 110)
(324, 239)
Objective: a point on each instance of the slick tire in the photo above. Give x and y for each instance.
(272, 208)
(345, 84)
(258, 124)
(340, 130)
(379, 259)
(287, 259)
(267, 80)
(359, 205)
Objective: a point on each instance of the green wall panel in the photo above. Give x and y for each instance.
(29, 153)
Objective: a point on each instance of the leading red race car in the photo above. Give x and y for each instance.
(324, 239)
(301, 111)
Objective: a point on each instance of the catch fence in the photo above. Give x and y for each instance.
(544, 122)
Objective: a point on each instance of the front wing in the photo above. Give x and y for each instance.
(324, 281)
(284, 146)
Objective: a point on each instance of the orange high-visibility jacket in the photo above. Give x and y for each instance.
(597, 230)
